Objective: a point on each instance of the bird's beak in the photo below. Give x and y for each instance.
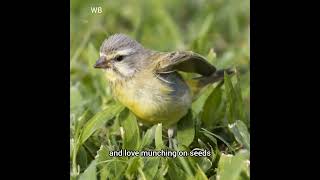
(101, 63)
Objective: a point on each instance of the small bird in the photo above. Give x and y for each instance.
(148, 82)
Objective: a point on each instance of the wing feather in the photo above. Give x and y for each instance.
(186, 61)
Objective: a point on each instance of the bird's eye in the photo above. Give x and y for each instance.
(119, 58)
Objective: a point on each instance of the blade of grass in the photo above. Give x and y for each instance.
(98, 120)
(218, 137)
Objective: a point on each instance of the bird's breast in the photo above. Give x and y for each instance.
(154, 100)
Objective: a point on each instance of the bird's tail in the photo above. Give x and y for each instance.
(216, 76)
(197, 84)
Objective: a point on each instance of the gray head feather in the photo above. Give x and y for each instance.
(134, 55)
(120, 42)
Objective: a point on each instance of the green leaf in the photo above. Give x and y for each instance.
(235, 104)
(148, 137)
(71, 147)
(78, 125)
(163, 169)
(184, 162)
(129, 122)
(244, 114)
(200, 175)
(82, 157)
(203, 33)
(230, 167)
(185, 130)
(204, 163)
(175, 172)
(90, 172)
(111, 167)
(200, 43)
(212, 138)
(151, 165)
(102, 154)
(104, 172)
(197, 105)
(98, 120)
(231, 100)
(76, 99)
(206, 25)
(92, 55)
(142, 174)
(241, 133)
(211, 110)
(134, 164)
(202, 144)
(170, 25)
(209, 134)
(158, 137)
(212, 57)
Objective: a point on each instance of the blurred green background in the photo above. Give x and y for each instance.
(216, 29)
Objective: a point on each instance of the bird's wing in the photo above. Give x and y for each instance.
(186, 61)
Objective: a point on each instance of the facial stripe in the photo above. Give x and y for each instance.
(112, 55)
(124, 52)
(109, 56)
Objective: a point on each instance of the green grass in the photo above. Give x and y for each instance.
(219, 120)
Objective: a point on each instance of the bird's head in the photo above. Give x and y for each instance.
(120, 57)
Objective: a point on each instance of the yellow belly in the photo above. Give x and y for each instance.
(155, 102)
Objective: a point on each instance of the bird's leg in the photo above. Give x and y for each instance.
(171, 132)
